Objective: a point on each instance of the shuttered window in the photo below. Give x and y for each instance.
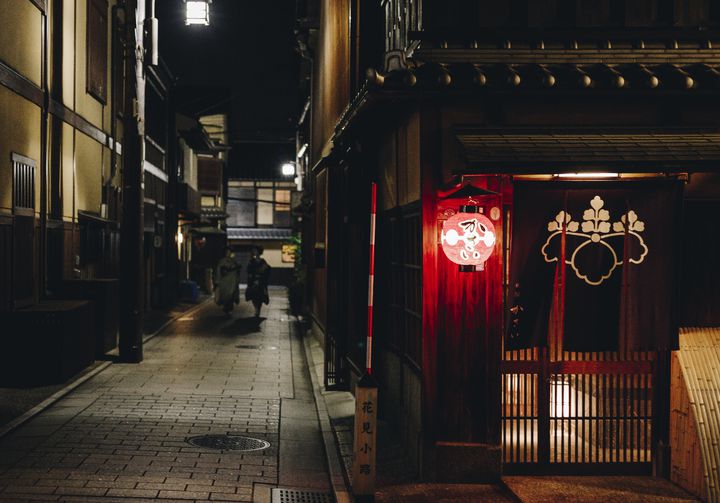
(23, 184)
(97, 48)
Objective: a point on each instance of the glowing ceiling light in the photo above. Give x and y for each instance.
(588, 174)
(288, 169)
(197, 12)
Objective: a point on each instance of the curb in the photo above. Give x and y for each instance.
(337, 478)
(25, 417)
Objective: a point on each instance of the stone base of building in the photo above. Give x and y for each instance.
(46, 343)
(462, 462)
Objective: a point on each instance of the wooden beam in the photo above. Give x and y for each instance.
(20, 84)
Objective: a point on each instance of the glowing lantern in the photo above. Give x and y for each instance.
(468, 238)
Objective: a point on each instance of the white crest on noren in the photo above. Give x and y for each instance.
(595, 230)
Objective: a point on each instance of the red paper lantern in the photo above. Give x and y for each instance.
(468, 238)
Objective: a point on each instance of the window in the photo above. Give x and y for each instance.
(282, 208)
(265, 206)
(399, 281)
(241, 207)
(320, 218)
(97, 48)
(282, 200)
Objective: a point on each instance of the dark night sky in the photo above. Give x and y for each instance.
(243, 64)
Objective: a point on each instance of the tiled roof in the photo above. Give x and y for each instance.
(653, 150)
(212, 212)
(260, 234)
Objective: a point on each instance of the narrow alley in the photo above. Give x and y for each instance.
(129, 431)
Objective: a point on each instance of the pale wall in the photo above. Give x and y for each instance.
(273, 255)
(68, 72)
(19, 133)
(20, 37)
(68, 171)
(88, 169)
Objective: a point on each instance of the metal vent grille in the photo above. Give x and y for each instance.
(23, 182)
(300, 496)
(229, 443)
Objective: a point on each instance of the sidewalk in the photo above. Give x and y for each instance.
(15, 402)
(124, 435)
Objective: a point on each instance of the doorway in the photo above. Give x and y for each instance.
(577, 412)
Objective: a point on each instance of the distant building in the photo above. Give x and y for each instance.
(260, 213)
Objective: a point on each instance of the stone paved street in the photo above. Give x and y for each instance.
(122, 435)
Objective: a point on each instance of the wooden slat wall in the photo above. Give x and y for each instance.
(687, 468)
(469, 322)
(695, 404)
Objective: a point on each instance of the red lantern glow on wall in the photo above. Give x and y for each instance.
(468, 238)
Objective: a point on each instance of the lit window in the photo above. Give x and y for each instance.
(265, 207)
(282, 200)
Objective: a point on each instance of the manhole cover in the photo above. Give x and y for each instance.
(300, 496)
(229, 443)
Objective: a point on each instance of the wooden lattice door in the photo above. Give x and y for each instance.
(574, 412)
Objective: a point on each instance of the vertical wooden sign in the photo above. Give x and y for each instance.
(365, 442)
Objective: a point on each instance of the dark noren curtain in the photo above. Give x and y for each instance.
(615, 244)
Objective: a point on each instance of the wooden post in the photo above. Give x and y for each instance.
(365, 440)
(366, 392)
(131, 231)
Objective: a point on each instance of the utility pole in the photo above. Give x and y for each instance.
(132, 271)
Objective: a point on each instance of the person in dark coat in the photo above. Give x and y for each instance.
(258, 271)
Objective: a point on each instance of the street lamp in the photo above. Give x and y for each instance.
(288, 169)
(197, 12)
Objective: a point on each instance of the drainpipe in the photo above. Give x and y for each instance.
(44, 158)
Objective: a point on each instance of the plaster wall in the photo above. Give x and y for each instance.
(88, 169)
(19, 133)
(190, 164)
(68, 57)
(273, 255)
(68, 172)
(20, 38)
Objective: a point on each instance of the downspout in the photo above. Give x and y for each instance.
(115, 67)
(44, 156)
(55, 263)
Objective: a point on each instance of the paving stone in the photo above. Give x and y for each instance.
(121, 436)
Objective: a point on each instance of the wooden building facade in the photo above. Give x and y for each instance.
(497, 105)
(62, 98)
